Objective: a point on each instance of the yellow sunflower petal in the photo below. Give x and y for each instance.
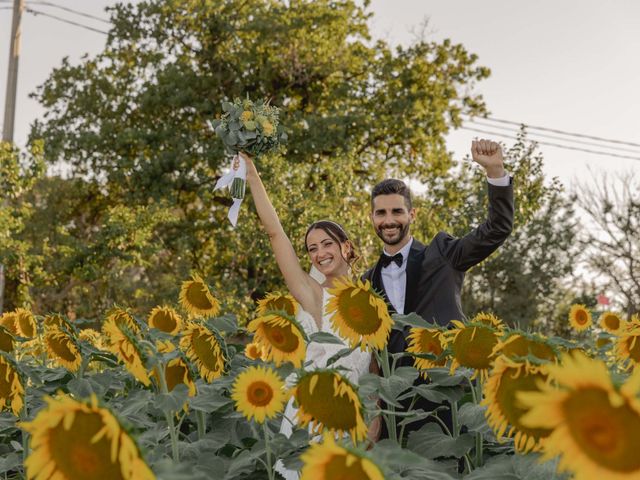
(202, 347)
(280, 338)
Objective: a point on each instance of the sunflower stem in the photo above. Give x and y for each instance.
(390, 420)
(454, 420)
(268, 450)
(25, 436)
(168, 414)
(202, 424)
(413, 402)
(479, 442)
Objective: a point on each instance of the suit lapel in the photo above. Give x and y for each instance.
(412, 276)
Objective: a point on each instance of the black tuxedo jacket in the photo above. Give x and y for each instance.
(435, 271)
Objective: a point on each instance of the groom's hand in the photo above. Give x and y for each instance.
(489, 155)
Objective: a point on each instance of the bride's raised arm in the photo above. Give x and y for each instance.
(304, 289)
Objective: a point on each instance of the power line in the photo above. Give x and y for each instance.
(556, 137)
(561, 132)
(64, 20)
(70, 10)
(549, 144)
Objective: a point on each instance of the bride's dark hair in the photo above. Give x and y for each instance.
(338, 234)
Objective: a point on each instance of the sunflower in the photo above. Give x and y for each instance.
(359, 314)
(196, 298)
(596, 426)
(11, 388)
(25, 323)
(62, 349)
(259, 393)
(426, 340)
(275, 302)
(123, 343)
(330, 461)
(8, 321)
(176, 371)
(488, 319)
(253, 351)
(165, 319)
(72, 440)
(6, 340)
(472, 346)
(121, 318)
(611, 322)
(55, 319)
(519, 345)
(280, 338)
(628, 347)
(503, 411)
(329, 401)
(580, 317)
(203, 348)
(92, 337)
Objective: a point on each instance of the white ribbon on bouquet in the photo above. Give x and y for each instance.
(238, 170)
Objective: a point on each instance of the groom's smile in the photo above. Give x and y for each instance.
(391, 219)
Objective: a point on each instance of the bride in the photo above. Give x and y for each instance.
(331, 254)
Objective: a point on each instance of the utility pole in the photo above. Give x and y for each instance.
(10, 99)
(12, 76)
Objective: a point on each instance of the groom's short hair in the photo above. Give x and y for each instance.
(391, 186)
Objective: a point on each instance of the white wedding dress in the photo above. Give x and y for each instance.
(356, 363)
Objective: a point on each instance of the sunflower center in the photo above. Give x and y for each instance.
(322, 403)
(175, 374)
(73, 453)
(27, 325)
(345, 467)
(61, 347)
(634, 348)
(259, 393)
(608, 435)
(6, 342)
(197, 296)
(473, 346)
(358, 313)
(207, 351)
(612, 322)
(581, 317)
(283, 338)
(164, 321)
(512, 382)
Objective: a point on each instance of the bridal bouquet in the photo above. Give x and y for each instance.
(251, 127)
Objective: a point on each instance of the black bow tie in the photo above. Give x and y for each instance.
(386, 260)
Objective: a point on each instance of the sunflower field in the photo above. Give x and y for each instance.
(187, 393)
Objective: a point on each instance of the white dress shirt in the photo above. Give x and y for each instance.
(394, 277)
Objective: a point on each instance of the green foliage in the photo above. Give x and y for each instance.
(130, 127)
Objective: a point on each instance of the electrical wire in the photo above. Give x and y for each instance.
(70, 10)
(549, 144)
(64, 20)
(561, 132)
(555, 137)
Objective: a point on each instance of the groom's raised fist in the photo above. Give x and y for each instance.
(489, 155)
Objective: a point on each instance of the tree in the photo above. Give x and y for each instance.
(523, 281)
(131, 124)
(611, 241)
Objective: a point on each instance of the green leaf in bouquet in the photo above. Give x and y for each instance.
(431, 442)
(250, 126)
(232, 138)
(235, 126)
(227, 107)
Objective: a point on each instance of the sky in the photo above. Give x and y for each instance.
(570, 65)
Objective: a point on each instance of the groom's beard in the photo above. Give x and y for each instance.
(395, 238)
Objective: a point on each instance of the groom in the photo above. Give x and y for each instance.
(427, 279)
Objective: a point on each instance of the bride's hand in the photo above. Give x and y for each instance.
(251, 168)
